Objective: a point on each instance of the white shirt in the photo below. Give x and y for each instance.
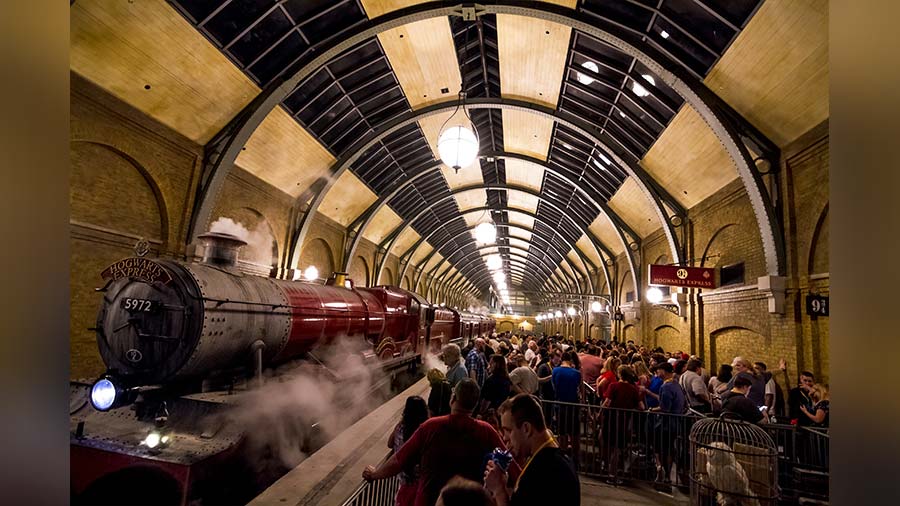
(529, 355)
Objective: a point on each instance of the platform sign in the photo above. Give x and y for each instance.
(816, 305)
(675, 275)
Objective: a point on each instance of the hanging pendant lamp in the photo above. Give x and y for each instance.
(458, 144)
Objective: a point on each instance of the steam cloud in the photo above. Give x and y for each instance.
(432, 361)
(304, 403)
(259, 248)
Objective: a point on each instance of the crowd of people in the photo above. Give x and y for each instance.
(494, 397)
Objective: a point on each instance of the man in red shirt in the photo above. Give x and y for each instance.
(446, 446)
(591, 365)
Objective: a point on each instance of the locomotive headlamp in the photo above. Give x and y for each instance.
(156, 440)
(108, 393)
(103, 394)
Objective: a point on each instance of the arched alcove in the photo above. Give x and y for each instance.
(359, 271)
(316, 252)
(671, 339)
(729, 342)
(113, 203)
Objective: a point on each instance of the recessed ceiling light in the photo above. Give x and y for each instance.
(649, 79)
(598, 164)
(567, 145)
(621, 114)
(664, 34)
(587, 80)
(605, 159)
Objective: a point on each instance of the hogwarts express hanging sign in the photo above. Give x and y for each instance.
(674, 275)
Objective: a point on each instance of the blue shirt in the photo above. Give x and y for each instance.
(456, 374)
(566, 381)
(655, 384)
(475, 362)
(671, 398)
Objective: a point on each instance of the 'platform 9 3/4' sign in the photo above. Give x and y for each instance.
(817, 305)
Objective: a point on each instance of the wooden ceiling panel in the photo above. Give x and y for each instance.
(423, 250)
(634, 207)
(521, 200)
(521, 219)
(348, 198)
(284, 154)
(584, 244)
(375, 8)
(532, 58)
(522, 173)
(525, 235)
(576, 261)
(423, 57)
(606, 233)
(688, 160)
(470, 199)
(406, 239)
(125, 46)
(776, 71)
(434, 260)
(383, 223)
(526, 134)
(521, 243)
(464, 177)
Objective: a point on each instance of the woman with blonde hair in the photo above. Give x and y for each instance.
(607, 375)
(821, 405)
(643, 373)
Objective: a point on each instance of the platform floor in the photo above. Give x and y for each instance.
(596, 492)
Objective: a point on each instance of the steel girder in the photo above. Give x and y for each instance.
(523, 189)
(222, 151)
(406, 257)
(397, 123)
(355, 230)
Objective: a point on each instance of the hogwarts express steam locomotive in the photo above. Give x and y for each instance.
(173, 335)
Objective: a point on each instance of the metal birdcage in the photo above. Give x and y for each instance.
(733, 463)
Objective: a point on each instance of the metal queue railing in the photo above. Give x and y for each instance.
(622, 444)
(376, 493)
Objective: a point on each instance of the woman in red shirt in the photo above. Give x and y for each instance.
(622, 397)
(607, 376)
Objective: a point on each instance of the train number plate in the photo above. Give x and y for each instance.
(133, 305)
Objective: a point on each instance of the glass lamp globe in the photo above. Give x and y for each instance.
(596, 307)
(571, 311)
(494, 262)
(311, 273)
(485, 233)
(654, 295)
(558, 313)
(458, 146)
(499, 276)
(501, 285)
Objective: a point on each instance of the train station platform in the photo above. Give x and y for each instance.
(331, 476)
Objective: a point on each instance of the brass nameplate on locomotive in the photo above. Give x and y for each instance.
(137, 268)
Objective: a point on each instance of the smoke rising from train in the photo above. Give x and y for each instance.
(260, 242)
(302, 401)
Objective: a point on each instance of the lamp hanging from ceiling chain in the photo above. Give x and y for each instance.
(458, 144)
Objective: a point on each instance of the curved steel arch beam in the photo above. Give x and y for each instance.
(545, 265)
(526, 229)
(517, 270)
(355, 151)
(362, 222)
(222, 151)
(406, 257)
(523, 189)
(574, 277)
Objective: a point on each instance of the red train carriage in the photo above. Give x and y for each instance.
(166, 327)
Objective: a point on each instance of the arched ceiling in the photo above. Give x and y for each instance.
(196, 64)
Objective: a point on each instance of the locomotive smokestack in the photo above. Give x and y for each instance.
(221, 249)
